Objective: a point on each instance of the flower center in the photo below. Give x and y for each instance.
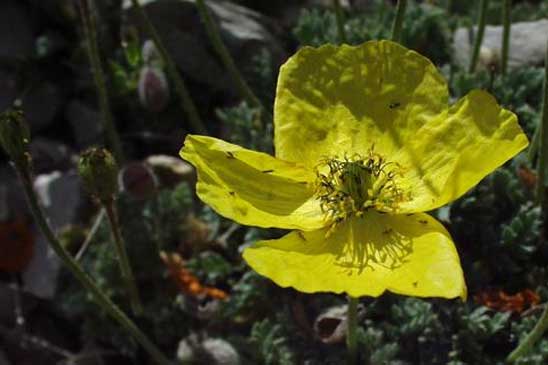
(350, 186)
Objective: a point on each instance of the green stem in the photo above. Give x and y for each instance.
(526, 345)
(542, 324)
(479, 35)
(90, 33)
(398, 21)
(125, 267)
(340, 20)
(101, 298)
(217, 43)
(187, 103)
(543, 141)
(449, 6)
(351, 339)
(506, 21)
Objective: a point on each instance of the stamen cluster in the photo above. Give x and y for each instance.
(350, 186)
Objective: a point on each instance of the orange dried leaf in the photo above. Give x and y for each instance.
(187, 282)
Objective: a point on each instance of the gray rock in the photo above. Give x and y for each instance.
(3, 359)
(527, 44)
(49, 155)
(85, 123)
(8, 88)
(244, 31)
(16, 34)
(12, 198)
(213, 351)
(41, 104)
(62, 197)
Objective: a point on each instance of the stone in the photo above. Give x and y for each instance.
(12, 198)
(331, 325)
(41, 105)
(213, 351)
(16, 33)
(8, 88)
(48, 155)
(62, 198)
(244, 32)
(527, 45)
(171, 170)
(3, 359)
(85, 123)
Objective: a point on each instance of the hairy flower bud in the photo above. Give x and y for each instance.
(99, 173)
(15, 136)
(153, 89)
(151, 55)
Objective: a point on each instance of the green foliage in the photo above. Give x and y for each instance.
(213, 266)
(272, 343)
(424, 25)
(246, 127)
(144, 237)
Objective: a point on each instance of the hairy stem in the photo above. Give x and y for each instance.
(542, 324)
(351, 339)
(537, 332)
(100, 298)
(506, 21)
(398, 20)
(340, 20)
(479, 35)
(90, 33)
(217, 43)
(125, 267)
(187, 104)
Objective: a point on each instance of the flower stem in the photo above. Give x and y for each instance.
(542, 324)
(125, 267)
(215, 38)
(398, 21)
(101, 298)
(340, 20)
(351, 339)
(526, 345)
(543, 142)
(90, 33)
(506, 22)
(479, 35)
(187, 103)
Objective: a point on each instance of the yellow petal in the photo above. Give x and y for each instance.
(341, 100)
(411, 255)
(451, 154)
(253, 188)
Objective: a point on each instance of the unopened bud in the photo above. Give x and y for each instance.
(15, 136)
(153, 89)
(99, 172)
(150, 54)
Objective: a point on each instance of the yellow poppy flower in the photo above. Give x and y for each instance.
(365, 143)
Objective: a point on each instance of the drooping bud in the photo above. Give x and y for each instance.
(15, 136)
(150, 54)
(153, 89)
(99, 172)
